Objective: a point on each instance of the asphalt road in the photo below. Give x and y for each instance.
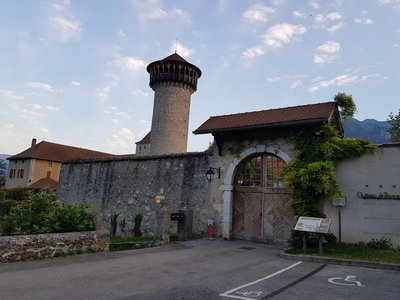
(198, 269)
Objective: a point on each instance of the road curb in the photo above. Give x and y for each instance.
(337, 261)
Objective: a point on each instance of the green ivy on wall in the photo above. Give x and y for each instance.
(311, 174)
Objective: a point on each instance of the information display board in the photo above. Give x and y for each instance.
(318, 225)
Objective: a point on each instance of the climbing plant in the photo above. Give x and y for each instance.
(311, 174)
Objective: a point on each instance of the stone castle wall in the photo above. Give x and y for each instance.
(148, 185)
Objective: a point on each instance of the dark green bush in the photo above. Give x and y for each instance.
(18, 194)
(41, 214)
(6, 205)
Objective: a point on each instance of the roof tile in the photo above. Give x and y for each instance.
(57, 152)
(267, 118)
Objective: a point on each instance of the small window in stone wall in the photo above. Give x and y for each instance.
(261, 171)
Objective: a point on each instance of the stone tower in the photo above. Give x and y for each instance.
(173, 81)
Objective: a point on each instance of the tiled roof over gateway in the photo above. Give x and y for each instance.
(57, 152)
(288, 116)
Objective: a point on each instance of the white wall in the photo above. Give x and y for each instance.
(366, 219)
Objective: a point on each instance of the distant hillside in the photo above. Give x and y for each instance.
(369, 129)
(4, 156)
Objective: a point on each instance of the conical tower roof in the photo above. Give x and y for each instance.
(173, 68)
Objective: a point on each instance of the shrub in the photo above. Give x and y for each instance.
(41, 214)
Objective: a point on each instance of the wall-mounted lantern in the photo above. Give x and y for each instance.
(211, 173)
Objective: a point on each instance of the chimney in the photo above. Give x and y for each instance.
(33, 143)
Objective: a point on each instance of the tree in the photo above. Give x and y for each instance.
(394, 129)
(346, 105)
(3, 171)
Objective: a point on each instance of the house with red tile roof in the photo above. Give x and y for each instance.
(39, 166)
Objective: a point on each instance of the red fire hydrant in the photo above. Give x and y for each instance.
(210, 229)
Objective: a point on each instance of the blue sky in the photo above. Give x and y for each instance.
(74, 72)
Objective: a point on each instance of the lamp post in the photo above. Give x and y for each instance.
(339, 204)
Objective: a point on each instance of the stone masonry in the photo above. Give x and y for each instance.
(169, 128)
(148, 185)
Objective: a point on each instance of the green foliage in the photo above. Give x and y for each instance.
(233, 148)
(360, 251)
(3, 172)
(6, 205)
(394, 129)
(41, 214)
(3, 194)
(137, 224)
(382, 243)
(346, 105)
(114, 240)
(311, 174)
(18, 194)
(210, 148)
(296, 240)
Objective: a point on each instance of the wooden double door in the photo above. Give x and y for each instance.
(262, 214)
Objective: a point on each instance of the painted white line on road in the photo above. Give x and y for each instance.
(226, 294)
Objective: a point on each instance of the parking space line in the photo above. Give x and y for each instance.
(226, 294)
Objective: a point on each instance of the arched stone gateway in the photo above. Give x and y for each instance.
(256, 205)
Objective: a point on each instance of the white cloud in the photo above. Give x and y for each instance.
(342, 80)
(63, 30)
(62, 6)
(152, 10)
(329, 47)
(321, 21)
(273, 79)
(299, 14)
(364, 21)
(296, 84)
(121, 141)
(122, 35)
(333, 16)
(284, 33)
(275, 37)
(393, 3)
(253, 52)
(44, 130)
(62, 26)
(42, 86)
(181, 49)
(336, 27)
(326, 52)
(10, 95)
(75, 83)
(258, 13)
(139, 92)
(103, 93)
(178, 13)
(42, 107)
(130, 63)
(314, 4)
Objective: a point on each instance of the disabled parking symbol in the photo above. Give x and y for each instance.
(348, 280)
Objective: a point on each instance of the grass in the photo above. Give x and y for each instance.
(115, 240)
(356, 252)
